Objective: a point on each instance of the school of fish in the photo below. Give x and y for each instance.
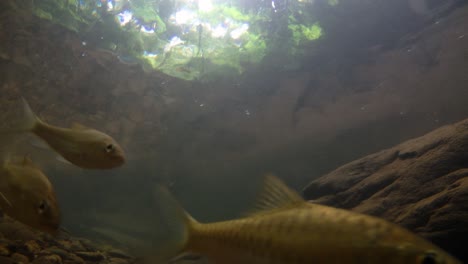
(285, 229)
(26, 194)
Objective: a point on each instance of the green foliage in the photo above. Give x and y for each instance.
(62, 12)
(313, 32)
(43, 14)
(145, 12)
(231, 12)
(255, 49)
(200, 54)
(303, 33)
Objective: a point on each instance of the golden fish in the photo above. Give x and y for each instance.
(289, 230)
(79, 145)
(27, 195)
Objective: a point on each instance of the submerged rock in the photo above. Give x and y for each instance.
(56, 251)
(91, 256)
(4, 251)
(72, 258)
(421, 184)
(49, 259)
(117, 261)
(115, 253)
(32, 246)
(72, 245)
(6, 260)
(40, 248)
(18, 258)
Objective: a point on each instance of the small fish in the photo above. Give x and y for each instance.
(82, 146)
(27, 196)
(289, 230)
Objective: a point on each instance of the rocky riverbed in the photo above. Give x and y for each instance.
(22, 245)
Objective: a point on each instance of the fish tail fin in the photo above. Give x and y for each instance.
(179, 225)
(25, 123)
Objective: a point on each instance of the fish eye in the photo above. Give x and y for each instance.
(429, 258)
(109, 148)
(42, 207)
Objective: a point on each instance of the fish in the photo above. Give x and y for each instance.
(79, 145)
(27, 195)
(286, 229)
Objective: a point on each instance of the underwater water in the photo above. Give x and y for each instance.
(207, 97)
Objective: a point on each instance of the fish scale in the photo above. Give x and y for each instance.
(283, 235)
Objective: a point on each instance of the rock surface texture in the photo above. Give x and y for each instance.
(421, 184)
(22, 245)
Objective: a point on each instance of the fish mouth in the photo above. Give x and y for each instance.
(111, 163)
(120, 160)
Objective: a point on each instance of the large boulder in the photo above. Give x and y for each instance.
(421, 184)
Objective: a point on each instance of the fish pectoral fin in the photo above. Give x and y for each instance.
(275, 194)
(38, 143)
(69, 146)
(78, 126)
(63, 160)
(5, 199)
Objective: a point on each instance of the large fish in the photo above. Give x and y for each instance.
(82, 146)
(27, 196)
(289, 230)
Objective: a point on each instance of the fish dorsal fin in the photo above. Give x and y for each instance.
(275, 194)
(78, 126)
